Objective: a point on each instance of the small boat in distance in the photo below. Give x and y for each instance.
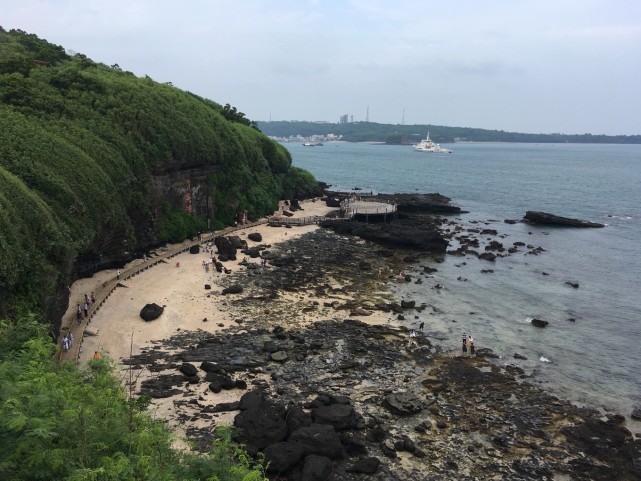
(311, 144)
(427, 145)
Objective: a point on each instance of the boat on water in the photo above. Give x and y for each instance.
(427, 145)
(313, 144)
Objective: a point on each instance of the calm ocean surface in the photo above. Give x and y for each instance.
(595, 360)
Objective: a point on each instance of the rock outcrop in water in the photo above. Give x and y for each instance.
(543, 218)
(416, 226)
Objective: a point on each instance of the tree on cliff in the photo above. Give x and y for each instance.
(96, 163)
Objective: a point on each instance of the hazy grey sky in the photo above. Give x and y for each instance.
(569, 66)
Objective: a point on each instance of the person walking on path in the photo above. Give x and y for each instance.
(86, 309)
(118, 274)
(79, 314)
(464, 345)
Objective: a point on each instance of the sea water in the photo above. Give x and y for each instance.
(590, 352)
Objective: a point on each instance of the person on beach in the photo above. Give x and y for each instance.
(118, 274)
(464, 345)
(472, 350)
(421, 326)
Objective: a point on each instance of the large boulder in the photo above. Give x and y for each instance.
(418, 236)
(321, 439)
(536, 217)
(151, 312)
(317, 468)
(539, 322)
(296, 418)
(226, 247)
(408, 304)
(341, 416)
(255, 236)
(188, 369)
(259, 427)
(366, 466)
(283, 456)
(195, 249)
(403, 404)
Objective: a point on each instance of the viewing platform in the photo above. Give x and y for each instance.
(363, 210)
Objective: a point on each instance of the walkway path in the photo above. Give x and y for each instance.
(103, 292)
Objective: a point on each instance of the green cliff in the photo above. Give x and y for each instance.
(98, 165)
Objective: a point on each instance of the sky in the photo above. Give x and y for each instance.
(535, 66)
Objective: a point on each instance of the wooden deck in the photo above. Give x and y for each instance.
(368, 210)
(284, 220)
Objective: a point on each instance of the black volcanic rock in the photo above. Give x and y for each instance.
(543, 218)
(539, 322)
(401, 235)
(403, 404)
(425, 203)
(151, 312)
(233, 289)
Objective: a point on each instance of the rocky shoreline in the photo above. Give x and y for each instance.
(341, 399)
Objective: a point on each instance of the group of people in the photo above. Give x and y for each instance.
(83, 311)
(67, 342)
(468, 341)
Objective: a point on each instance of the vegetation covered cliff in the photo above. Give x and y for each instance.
(411, 134)
(97, 165)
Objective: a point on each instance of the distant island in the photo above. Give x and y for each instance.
(411, 134)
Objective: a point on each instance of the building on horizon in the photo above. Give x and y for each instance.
(343, 119)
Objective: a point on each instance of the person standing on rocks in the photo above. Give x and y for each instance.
(464, 345)
(472, 350)
(421, 326)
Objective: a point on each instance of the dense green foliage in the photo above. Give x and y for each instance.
(59, 423)
(409, 134)
(82, 146)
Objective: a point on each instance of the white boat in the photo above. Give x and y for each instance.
(427, 145)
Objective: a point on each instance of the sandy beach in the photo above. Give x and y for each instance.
(312, 330)
(118, 331)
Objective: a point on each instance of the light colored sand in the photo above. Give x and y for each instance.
(180, 290)
(118, 329)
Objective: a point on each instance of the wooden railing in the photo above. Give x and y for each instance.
(282, 220)
(103, 292)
